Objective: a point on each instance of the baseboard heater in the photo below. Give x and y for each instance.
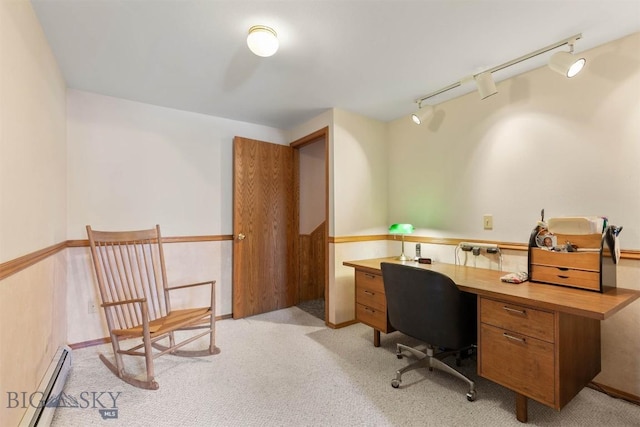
(50, 388)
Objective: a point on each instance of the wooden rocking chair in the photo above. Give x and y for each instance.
(132, 279)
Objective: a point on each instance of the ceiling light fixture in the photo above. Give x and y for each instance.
(563, 62)
(422, 113)
(566, 63)
(486, 85)
(263, 41)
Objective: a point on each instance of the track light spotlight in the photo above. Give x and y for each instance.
(421, 115)
(566, 63)
(486, 85)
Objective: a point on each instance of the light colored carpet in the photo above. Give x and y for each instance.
(285, 368)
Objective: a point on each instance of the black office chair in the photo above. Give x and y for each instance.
(428, 306)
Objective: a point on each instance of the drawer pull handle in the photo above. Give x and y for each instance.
(511, 337)
(370, 276)
(370, 310)
(513, 310)
(563, 268)
(369, 293)
(563, 277)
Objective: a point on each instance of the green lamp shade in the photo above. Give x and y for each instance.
(401, 229)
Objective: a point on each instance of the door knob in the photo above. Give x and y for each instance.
(241, 236)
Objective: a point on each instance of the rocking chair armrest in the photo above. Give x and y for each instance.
(212, 282)
(208, 282)
(128, 301)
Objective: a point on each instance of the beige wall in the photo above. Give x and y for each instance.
(313, 185)
(359, 188)
(359, 175)
(134, 165)
(32, 141)
(32, 202)
(569, 146)
(32, 327)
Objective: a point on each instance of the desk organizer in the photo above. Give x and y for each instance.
(592, 266)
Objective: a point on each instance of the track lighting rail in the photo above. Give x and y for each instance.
(568, 41)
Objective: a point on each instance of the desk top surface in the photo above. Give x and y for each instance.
(485, 282)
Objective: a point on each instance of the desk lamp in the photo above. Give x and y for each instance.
(401, 229)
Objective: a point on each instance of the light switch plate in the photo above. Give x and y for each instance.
(487, 220)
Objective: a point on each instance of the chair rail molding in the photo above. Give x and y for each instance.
(18, 264)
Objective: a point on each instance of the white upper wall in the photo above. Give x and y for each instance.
(134, 165)
(32, 136)
(569, 146)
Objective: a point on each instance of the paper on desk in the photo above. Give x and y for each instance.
(576, 225)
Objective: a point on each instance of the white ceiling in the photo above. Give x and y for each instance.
(370, 57)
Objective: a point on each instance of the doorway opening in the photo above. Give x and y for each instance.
(312, 165)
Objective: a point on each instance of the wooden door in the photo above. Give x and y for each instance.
(265, 227)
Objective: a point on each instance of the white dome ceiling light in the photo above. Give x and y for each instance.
(263, 41)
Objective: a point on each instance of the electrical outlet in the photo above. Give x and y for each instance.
(487, 220)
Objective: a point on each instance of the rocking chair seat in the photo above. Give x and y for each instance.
(171, 322)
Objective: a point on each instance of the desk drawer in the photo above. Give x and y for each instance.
(372, 282)
(373, 299)
(377, 319)
(518, 362)
(519, 319)
(571, 260)
(564, 276)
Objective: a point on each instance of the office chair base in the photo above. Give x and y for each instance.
(431, 360)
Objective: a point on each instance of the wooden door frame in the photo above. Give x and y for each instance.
(320, 134)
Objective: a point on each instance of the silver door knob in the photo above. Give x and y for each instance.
(241, 236)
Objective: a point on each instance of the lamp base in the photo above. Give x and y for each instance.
(403, 257)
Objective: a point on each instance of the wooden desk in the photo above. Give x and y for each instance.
(541, 341)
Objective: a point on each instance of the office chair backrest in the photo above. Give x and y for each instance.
(428, 306)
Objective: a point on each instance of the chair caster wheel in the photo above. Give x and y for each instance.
(395, 383)
(471, 396)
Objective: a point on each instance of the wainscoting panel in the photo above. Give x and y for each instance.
(312, 262)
